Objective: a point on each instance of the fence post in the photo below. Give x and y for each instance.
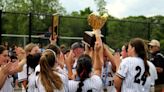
(149, 28)
(30, 27)
(0, 26)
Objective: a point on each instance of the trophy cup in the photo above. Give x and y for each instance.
(96, 22)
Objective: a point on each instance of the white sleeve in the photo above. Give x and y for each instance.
(123, 69)
(96, 80)
(64, 78)
(153, 72)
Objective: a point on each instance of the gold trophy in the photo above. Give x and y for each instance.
(96, 22)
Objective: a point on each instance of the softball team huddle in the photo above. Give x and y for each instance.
(83, 69)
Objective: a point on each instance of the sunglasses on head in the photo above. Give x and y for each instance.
(152, 46)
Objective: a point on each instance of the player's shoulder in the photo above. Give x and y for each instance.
(72, 85)
(128, 59)
(132, 59)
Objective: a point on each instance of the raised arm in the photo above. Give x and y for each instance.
(21, 55)
(110, 56)
(98, 54)
(69, 62)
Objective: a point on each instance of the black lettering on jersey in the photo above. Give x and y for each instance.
(111, 83)
(137, 79)
(110, 74)
(89, 90)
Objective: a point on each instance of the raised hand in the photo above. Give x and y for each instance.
(21, 54)
(9, 68)
(117, 59)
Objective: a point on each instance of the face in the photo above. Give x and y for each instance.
(130, 50)
(4, 57)
(35, 50)
(123, 52)
(78, 52)
(153, 49)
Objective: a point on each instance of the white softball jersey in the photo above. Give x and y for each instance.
(8, 85)
(107, 77)
(131, 70)
(64, 77)
(93, 83)
(153, 73)
(23, 74)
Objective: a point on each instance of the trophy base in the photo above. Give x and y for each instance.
(89, 38)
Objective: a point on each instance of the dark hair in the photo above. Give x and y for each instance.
(2, 48)
(84, 68)
(55, 48)
(33, 60)
(126, 47)
(140, 49)
(77, 45)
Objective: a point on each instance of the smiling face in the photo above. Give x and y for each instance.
(4, 57)
(35, 50)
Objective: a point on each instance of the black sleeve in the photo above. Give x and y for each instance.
(159, 59)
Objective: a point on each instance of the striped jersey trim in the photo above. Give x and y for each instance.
(120, 76)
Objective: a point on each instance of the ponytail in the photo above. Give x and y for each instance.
(84, 68)
(49, 78)
(79, 89)
(140, 49)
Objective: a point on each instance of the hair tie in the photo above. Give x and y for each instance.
(52, 52)
(81, 74)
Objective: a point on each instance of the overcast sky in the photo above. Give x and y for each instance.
(119, 8)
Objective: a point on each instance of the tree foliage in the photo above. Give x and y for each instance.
(116, 31)
(15, 18)
(101, 6)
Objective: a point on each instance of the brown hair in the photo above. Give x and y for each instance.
(29, 47)
(49, 78)
(140, 49)
(2, 48)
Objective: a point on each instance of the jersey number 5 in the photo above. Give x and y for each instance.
(137, 76)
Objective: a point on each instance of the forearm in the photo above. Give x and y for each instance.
(118, 83)
(70, 73)
(112, 60)
(21, 64)
(97, 65)
(3, 77)
(68, 63)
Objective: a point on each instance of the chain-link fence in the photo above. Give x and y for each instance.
(21, 28)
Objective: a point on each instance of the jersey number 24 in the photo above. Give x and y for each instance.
(137, 78)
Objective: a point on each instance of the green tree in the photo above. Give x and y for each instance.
(86, 12)
(75, 13)
(18, 23)
(101, 6)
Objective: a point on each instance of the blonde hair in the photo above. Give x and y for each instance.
(49, 78)
(29, 47)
